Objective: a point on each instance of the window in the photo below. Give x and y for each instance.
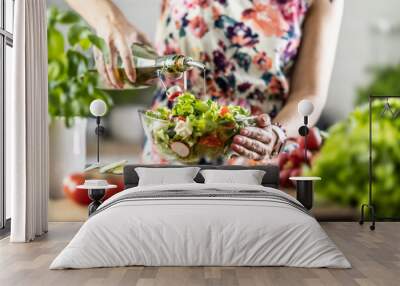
(6, 44)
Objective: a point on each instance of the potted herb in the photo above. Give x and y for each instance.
(71, 88)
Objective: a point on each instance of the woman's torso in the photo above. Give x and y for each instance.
(249, 47)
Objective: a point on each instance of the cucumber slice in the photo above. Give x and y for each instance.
(92, 167)
(110, 167)
(118, 171)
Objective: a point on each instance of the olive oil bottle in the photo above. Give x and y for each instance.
(150, 67)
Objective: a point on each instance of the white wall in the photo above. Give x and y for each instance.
(357, 48)
(143, 14)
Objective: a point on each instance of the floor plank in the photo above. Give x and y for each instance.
(375, 257)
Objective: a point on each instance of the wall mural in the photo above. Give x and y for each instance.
(216, 87)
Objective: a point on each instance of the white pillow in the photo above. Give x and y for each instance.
(164, 176)
(248, 177)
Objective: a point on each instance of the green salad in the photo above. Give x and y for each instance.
(194, 128)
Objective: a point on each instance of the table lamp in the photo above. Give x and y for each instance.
(305, 109)
(98, 108)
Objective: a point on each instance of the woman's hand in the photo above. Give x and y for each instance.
(111, 24)
(255, 143)
(119, 35)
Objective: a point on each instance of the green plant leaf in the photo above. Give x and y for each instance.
(68, 17)
(77, 63)
(85, 44)
(52, 14)
(71, 87)
(100, 44)
(55, 44)
(76, 32)
(55, 69)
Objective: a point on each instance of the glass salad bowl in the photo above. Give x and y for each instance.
(194, 129)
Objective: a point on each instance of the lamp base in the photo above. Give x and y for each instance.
(305, 193)
(372, 215)
(96, 195)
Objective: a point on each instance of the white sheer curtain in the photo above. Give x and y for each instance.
(26, 123)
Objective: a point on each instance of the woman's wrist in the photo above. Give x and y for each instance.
(280, 138)
(96, 12)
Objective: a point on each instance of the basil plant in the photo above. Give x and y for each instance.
(71, 83)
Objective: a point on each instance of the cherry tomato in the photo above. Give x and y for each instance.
(210, 141)
(314, 140)
(284, 179)
(224, 110)
(282, 159)
(173, 92)
(297, 157)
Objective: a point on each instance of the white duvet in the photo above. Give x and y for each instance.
(190, 231)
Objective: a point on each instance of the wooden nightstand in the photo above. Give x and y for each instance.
(305, 190)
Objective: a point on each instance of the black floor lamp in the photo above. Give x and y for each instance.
(386, 109)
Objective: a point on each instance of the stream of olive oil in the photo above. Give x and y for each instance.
(185, 81)
(204, 83)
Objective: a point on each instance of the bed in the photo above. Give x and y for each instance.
(198, 224)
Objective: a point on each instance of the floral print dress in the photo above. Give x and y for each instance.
(249, 47)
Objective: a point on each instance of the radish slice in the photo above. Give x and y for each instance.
(173, 92)
(180, 148)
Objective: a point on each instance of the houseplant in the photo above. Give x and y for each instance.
(71, 88)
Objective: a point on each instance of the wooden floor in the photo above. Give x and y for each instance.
(375, 257)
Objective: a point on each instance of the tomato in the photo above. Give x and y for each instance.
(284, 181)
(295, 172)
(314, 140)
(80, 196)
(174, 95)
(297, 157)
(210, 141)
(120, 187)
(224, 110)
(173, 92)
(282, 159)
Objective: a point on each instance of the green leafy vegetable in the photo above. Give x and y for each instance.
(205, 127)
(343, 161)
